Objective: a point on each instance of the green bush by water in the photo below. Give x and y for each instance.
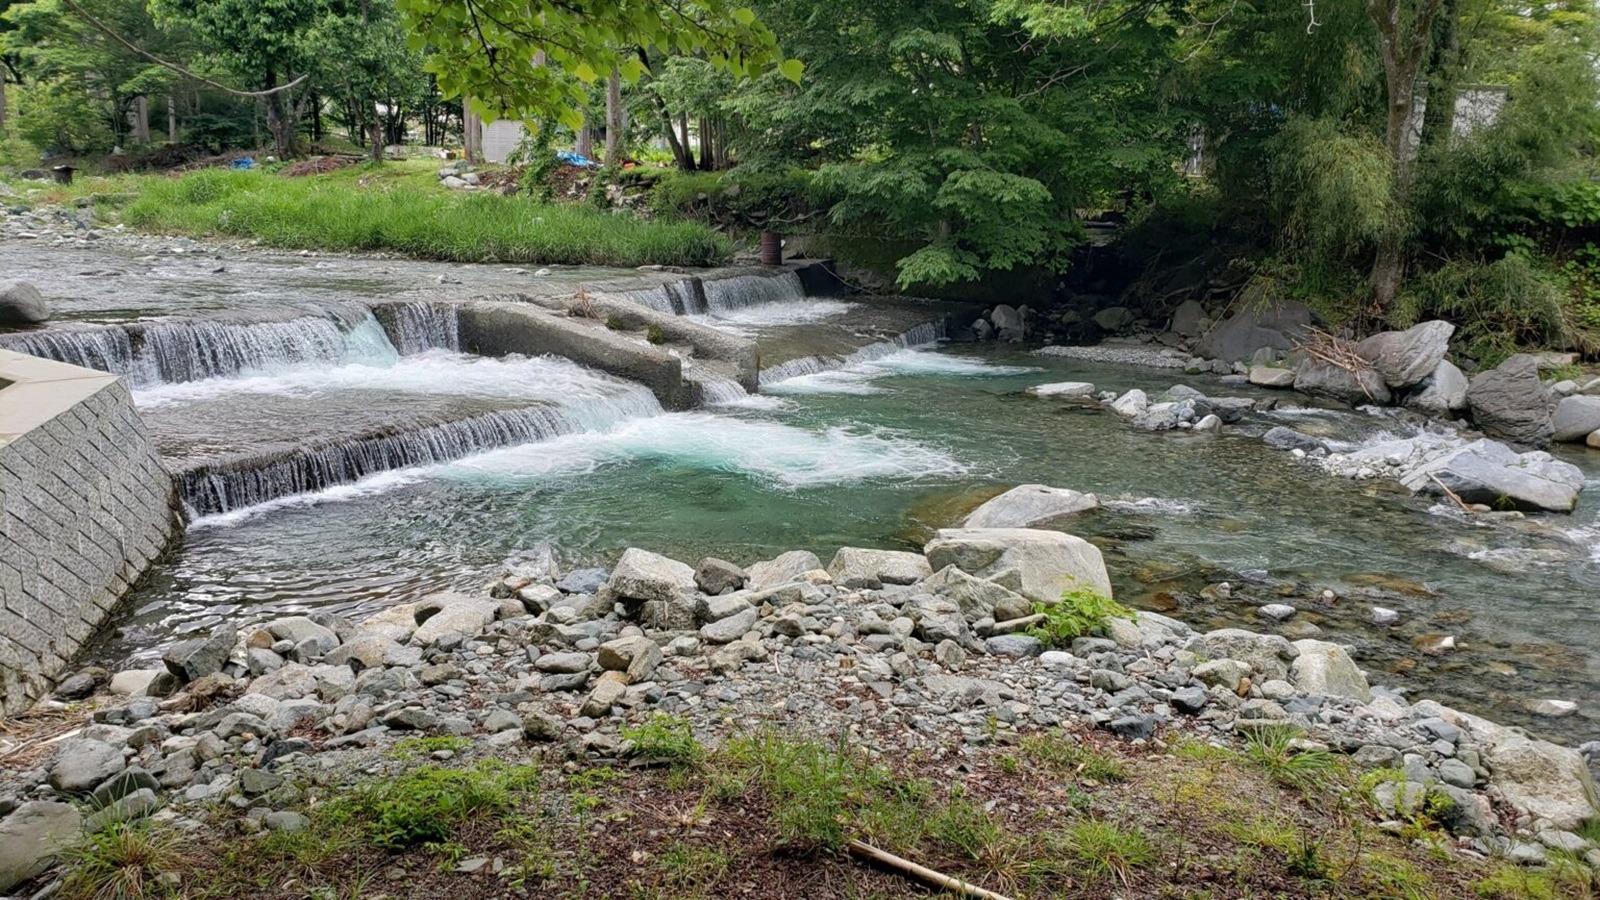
(1079, 613)
(411, 217)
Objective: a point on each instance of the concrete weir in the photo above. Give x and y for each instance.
(85, 507)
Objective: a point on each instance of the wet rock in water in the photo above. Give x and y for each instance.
(717, 576)
(1379, 615)
(1552, 709)
(1131, 404)
(1576, 417)
(856, 567)
(1029, 506)
(1324, 379)
(1405, 358)
(22, 304)
(1167, 416)
(782, 569)
(1271, 376)
(1489, 472)
(1040, 565)
(1276, 611)
(1208, 424)
(1510, 402)
(32, 836)
(1442, 393)
(1282, 437)
(1077, 390)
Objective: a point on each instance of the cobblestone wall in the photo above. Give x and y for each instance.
(85, 507)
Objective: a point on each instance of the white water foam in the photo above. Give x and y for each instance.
(1162, 505)
(430, 372)
(783, 455)
(749, 320)
(339, 493)
(855, 378)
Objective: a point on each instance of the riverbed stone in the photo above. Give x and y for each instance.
(1405, 358)
(1131, 404)
(1271, 376)
(1040, 565)
(1324, 379)
(729, 629)
(641, 576)
(857, 567)
(198, 657)
(134, 682)
(978, 597)
(1510, 402)
(783, 569)
(1239, 336)
(82, 764)
(299, 629)
(1325, 669)
(1030, 506)
(32, 835)
(1268, 654)
(1442, 393)
(456, 614)
(718, 576)
(637, 656)
(22, 304)
(1071, 390)
(1490, 472)
(1576, 417)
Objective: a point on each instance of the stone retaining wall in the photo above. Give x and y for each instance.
(85, 507)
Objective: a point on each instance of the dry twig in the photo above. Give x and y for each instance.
(922, 873)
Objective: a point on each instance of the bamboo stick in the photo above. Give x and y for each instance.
(922, 873)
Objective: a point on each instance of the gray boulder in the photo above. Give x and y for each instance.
(1188, 318)
(642, 576)
(730, 629)
(1489, 472)
(199, 657)
(856, 567)
(1008, 323)
(718, 576)
(455, 614)
(22, 304)
(1282, 437)
(1040, 565)
(1510, 402)
(1442, 393)
(84, 764)
(1576, 417)
(1029, 506)
(978, 597)
(1323, 379)
(1405, 358)
(1113, 318)
(1269, 654)
(1326, 669)
(299, 628)
(783, 569)
(1239, 336)
(31, 837)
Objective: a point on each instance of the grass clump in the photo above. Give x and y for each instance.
(1063, 754)
(1103, 850)
(425, 805)
(410, 216)
(666, 738)
(413, 747)
(1081, 612)
(1273, 750)
(123, 862)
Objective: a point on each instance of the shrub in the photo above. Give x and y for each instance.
(1079, 613)
(1499, 306)
(666, 738)
(425, 805)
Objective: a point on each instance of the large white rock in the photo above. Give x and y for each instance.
(1040, 565)
(782, 569)
(1073, 389)
(1486, 471)
(455, 613)
(858, 567)
(31, 837)
(1326, 669)
(1442, 393)
(1543, 779)
(642, 576)
(978, 597)
(1029, 506)
(1269, 654)
(1131, 404)
(1405, 358)
(1576, 417)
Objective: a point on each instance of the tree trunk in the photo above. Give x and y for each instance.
(679, 151)
(172, 119)
(377, 138)
(615, 119)
(471, 132)
(688, 148)
(584, 146)
(707, 161)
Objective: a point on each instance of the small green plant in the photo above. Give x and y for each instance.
(655, 335)
(1080, 612)
(425, 805)
(1272, 748)
(1510, 881)
(665, 738)
(413, 747)
(1064, 754)
(1104, 850)
(689, 869)
(122, 862)
(615, 323)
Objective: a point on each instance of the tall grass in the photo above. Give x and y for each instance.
(415, 219)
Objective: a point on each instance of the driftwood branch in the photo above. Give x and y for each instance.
(922, 873)
(105, 29)
(1335, 352)
(1449, 493)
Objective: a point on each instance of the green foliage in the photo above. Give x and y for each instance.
(1273, 750)
(1064, 754)
(1106, 850)
(1501, 305)
(744, 197)
(59, 115)
(1334, 190)
(413, 747)
(121, 862)
(422, 221)
(1081, 612)
(426, 804)
(666, 738)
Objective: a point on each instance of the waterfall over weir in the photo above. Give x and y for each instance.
(919, 336)
(167, 351)
(249, 480)
(703, 296)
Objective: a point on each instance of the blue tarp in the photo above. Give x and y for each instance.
(574, 159)
(245, 162)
